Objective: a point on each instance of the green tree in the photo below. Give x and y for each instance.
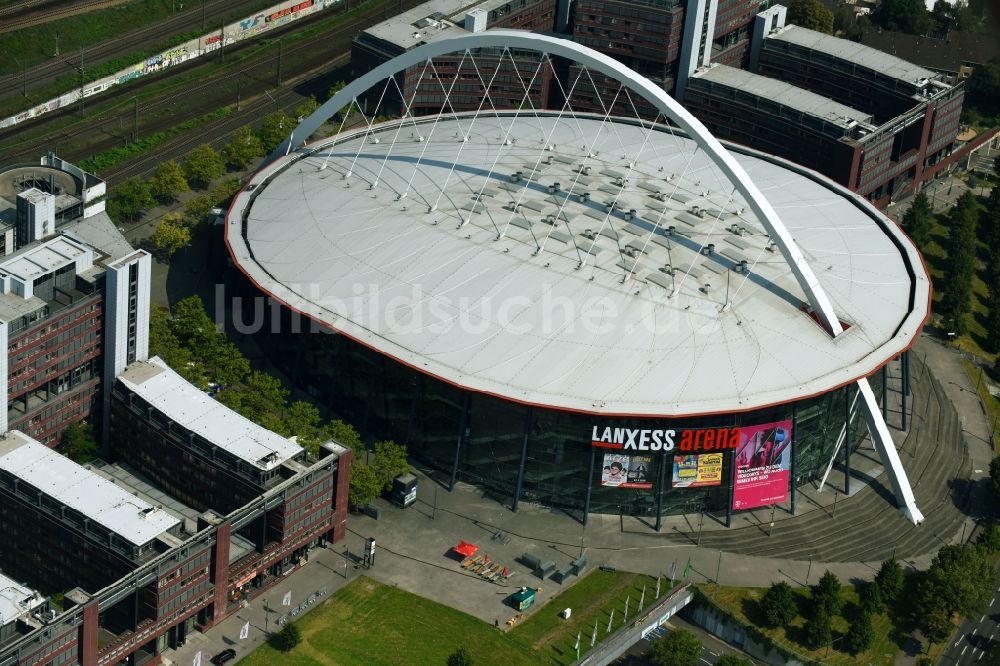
(365, 485)
(260, 398)
(918, 221)
(334, 89)
(890, 579)
(274, 129)
(225, 190)
(679, 647)
(203, 165)
(78, 442)
(828, 594)
(937, 625)
(995, 478)
(168, 181)
(860, 634)
(819, 632)
(170, 235)
(344, 434)
(983, 89)
(243, 148)
(730, 659)
(460, 657)
(198, 209)
(811, 14)
(286, 639)
(302, 420)
(130, 199)
(778, 604)
(956, 301)
(909, 16)
(871, 599)
(989, 539)
(306, 108)
(959, 580)
(388, 462)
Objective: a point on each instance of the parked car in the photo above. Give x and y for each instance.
(223, 657)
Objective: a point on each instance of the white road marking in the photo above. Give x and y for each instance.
(980, 656)
(981, 619)
(712, 653)
(991, 635)
(706, 661)
(991, 601)
(963, 650)
(957, 642)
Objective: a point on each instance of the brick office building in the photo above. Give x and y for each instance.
(242, 506)
(870, 121)
(441, 19)
(73, 298)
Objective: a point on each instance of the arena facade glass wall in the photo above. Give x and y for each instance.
(519, 453)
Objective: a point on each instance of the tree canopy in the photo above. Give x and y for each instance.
(890, 579)
(274, 129)
(811, 14)
(388, 462)
(243, 148)
(918, 220)
(168, 181)
(956, 301)
(679, 647)
(827, 594)
(779, 605)
(78, 442)
(130, 199)
(203, 165)
(909, 16)
(460, 657)
(171, 234)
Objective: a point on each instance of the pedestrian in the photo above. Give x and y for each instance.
(496, 623)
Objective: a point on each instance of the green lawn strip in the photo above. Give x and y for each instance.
(109, 158)
(741, 602)
(368, 623)
(991, 403)
(208, 66)
(591, 599)
(937, 263)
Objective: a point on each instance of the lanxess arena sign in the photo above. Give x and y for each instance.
(658, 439)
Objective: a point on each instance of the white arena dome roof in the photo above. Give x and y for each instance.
(578, 263)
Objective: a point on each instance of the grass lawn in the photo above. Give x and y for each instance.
(936, 257)
(741, 602)
(591, 599)
(369, 623)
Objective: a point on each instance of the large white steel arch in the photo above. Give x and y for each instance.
(670, 108)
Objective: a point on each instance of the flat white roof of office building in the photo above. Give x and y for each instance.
(16, 599)
(845, 49)
(447, 18)
(80, 489)
(785, 94)
(453, 284)
(198, 412)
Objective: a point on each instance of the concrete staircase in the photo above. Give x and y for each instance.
(867, 526)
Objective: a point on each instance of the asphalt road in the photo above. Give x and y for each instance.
(976, 636)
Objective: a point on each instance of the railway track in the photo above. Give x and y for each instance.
(304, 61)
(143, 38)
(35, 12)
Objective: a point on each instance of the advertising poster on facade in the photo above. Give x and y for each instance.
(621, 471)
(763, 464)
(692, 471)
